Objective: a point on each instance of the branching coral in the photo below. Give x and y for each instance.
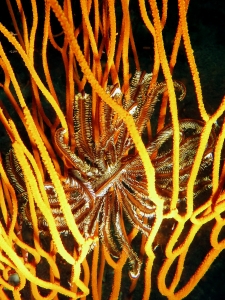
(88, 166)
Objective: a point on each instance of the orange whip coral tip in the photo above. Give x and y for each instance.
(105, 169)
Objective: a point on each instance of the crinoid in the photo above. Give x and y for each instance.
(107, 180)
